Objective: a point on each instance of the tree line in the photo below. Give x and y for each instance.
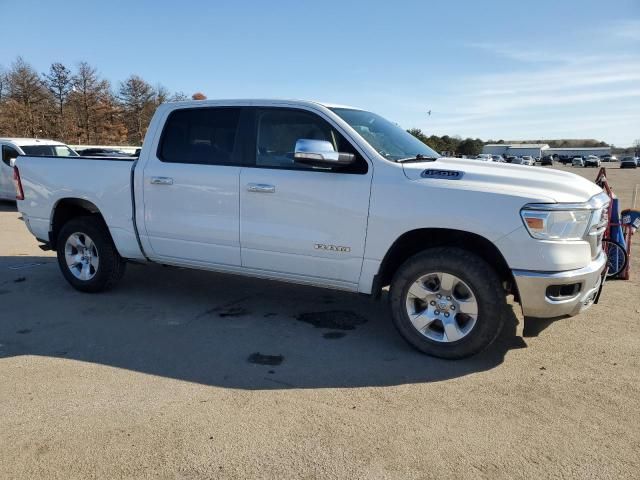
(473, 146)
(457, 145)
(77, 105)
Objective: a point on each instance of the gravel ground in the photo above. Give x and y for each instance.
(187, 374)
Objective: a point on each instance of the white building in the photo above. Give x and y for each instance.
(579, 151)
(541, 149)
(515, 149)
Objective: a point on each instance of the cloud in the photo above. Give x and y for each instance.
(522, 53)
(547, 92)
(550, 86)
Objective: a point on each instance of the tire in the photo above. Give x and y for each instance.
(474, 277)
(617, 257)
(97, 270)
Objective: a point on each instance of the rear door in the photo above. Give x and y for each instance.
(190, 188)
(298, 220)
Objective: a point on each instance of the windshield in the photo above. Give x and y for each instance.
(48, 151)
(389, 140)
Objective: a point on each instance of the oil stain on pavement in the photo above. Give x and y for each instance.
(333, 319)
(333, 335)
(262, 359)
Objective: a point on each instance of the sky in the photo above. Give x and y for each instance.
(512, 70)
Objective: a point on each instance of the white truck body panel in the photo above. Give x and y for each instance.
(49, 180)
(197, 217)
(308, 209)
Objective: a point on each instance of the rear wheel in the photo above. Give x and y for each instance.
(87, 256)
(447, 302)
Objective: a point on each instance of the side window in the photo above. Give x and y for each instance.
(278, 130)
(8, 153)
(200, 135)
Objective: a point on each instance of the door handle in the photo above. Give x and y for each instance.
(261, 188)
(161, 181)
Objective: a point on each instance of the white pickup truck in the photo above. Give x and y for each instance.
(331, 196)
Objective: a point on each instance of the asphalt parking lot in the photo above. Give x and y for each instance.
(189, 374)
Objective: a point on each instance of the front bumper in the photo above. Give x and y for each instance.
(533, 288)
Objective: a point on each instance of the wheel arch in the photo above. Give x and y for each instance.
(415, 241)
(66, 209)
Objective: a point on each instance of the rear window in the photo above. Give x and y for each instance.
(200, 135)
(48, 151)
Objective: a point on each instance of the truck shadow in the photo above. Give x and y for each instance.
(218, 330)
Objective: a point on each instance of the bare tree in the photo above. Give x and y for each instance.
(59, 82)
(137, 98)
(88, 93)
(161, 95)
(30, 96)
(179, 97)
(3, 83)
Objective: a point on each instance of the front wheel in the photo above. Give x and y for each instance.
(447, 302)
(87, 256)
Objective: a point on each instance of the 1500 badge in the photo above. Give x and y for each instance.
(331, 248)
(444, 174)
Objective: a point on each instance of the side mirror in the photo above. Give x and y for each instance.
(320, 153)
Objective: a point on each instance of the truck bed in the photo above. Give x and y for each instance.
(103, 181)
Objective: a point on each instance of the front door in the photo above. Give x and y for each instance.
(191, 197)
(298, 220)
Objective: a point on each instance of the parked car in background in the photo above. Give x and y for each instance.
(13, 147)
(197, 197)
(509, 158)
(609, 158)
(592, 161)
(577, 162)
(103, 152)
(565, 159)
(527, 160)
(629, 162)
(546, 160)
(498, 158)
(485, 157)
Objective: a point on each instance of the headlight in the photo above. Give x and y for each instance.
(556, 224)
